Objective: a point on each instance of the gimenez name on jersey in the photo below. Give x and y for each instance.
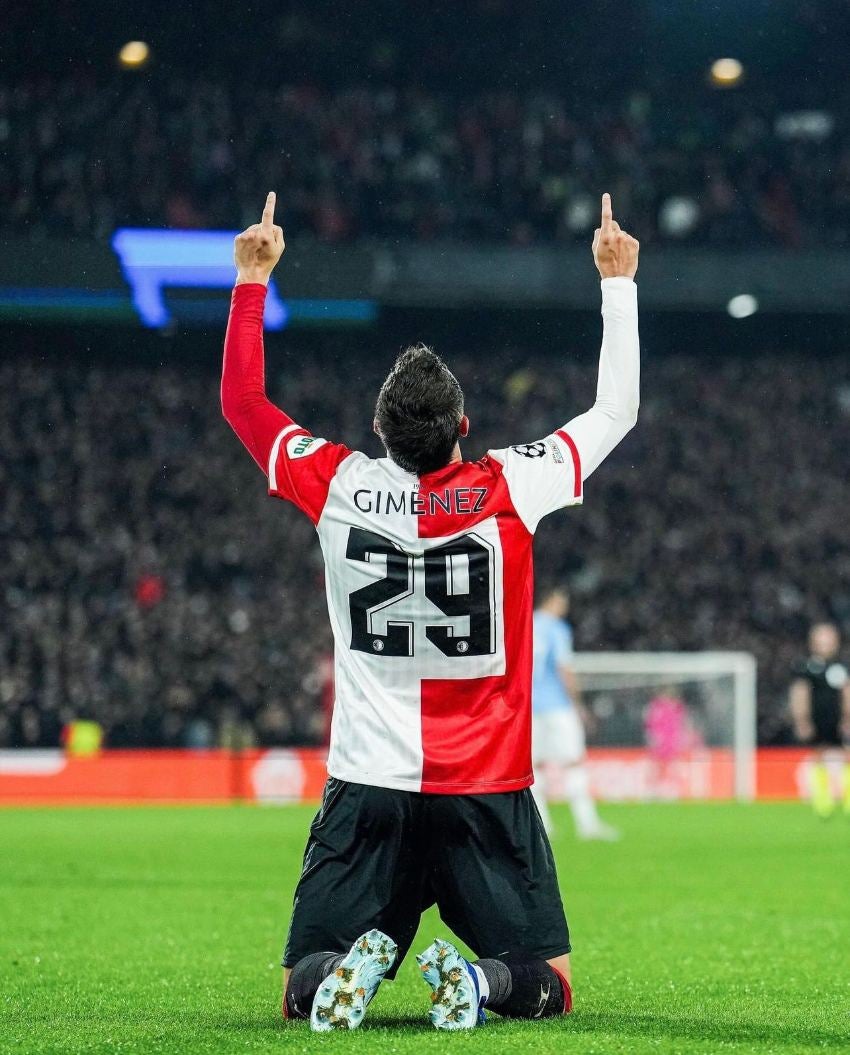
(452, 500)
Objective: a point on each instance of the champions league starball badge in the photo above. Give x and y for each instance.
(531, 450)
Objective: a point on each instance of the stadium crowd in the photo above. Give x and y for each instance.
(148, 582)
(158, 148)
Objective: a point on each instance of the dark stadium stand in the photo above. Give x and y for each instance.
(149, 583)
(82, 157)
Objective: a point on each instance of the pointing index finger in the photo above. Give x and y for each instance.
(606, 213)
(268, 210)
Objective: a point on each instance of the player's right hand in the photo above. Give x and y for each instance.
(259, 247)
(615, 251)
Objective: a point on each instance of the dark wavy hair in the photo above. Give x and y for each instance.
(419, 410)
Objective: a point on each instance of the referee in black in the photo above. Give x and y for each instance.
(819, 699)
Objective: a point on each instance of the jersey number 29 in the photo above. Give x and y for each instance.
(458, 580)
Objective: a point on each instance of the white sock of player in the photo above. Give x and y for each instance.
(577, 786)
(538, 790)
(483, 984)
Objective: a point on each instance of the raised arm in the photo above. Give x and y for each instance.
(598, 431)
(255, 420)
(299, 467)
(548, 475)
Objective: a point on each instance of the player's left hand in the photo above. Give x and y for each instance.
(259, 247)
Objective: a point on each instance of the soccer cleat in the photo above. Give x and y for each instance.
(455, 998)
(342, 998)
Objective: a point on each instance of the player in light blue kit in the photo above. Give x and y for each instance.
(559, 718)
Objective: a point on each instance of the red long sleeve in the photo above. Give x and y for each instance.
(246, 408)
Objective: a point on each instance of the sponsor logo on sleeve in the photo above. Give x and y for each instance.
(301, 446)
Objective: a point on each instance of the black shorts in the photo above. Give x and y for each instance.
(827, 738)
(377, 857)
(828, 731)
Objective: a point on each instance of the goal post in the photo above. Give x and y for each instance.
(673, 710)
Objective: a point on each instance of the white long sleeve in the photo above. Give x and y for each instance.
(548, 475)
(598, 431)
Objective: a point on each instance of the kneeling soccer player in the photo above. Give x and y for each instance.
(430, 591)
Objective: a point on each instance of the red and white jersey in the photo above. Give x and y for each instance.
(430, 594)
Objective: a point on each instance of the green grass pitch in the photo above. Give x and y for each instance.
(709, 928)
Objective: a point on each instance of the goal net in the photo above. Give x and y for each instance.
(668, 725)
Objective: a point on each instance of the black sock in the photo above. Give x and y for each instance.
(524, 988)
(498, 976)
(304, 981)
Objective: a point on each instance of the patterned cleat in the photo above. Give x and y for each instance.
(455, 1000)
(342, 998)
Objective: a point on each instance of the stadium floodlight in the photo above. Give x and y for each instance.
(716, 695)
(813, 125)
(580, 213)
(678, 216)
(742, 306)
(134, 54)
(726, 73)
